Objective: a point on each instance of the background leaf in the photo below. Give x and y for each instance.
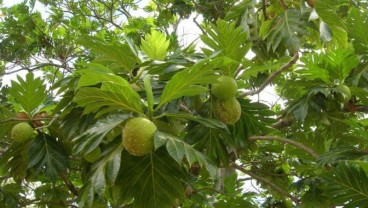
(177, 149)
(48, 156)
(347, 185)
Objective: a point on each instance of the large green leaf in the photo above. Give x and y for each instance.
(326, 10)
(5, 121)
(177, 149)
(227, 40)
(284, 30)
(225, 37)
(347, 185)
(91, 138)
(329, 66)
(341, 154)
(155, 45)
(28, 93)
(48, 155)
(117, 55)
(189, 81)
(10, 194)
(15, 160)
(103, 172)
(154, 180)
(213, 140)
(358, 29)
(115, 93)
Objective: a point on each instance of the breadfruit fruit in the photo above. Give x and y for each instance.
(22, 132)
(224, 88)
(138, 136)
(343, 93)
(253, 147)
(94, 155)
(227, 111)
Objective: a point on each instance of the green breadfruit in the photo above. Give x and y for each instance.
(138, 136)
(343, 93)
(224, 88)
(94, 155)
(227, 111)
(22, 132)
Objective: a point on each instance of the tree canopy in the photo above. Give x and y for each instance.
(91, 66)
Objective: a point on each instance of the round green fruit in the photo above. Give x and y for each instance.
(138, 136)
(224, 88)
(22, 132)
(343, 93)
(227, 111)
(94, 155)
(253, 147)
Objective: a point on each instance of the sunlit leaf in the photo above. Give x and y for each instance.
(155, 45)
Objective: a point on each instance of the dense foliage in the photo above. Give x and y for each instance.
(91, 66)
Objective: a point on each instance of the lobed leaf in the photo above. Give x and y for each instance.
(177, 149)
(153, 181)
(28, 93)
(91, 138)
(46, 154)
(188, 82)
(347, 185)
(155, 45)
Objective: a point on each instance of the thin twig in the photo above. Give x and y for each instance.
(272, 76)
(288, 141)
(32, 68)
(198, 25)
(266, 181)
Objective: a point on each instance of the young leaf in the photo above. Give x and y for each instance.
(155, 45)
(226, 40)
(28, 93)
(46, 154)
(149, 94)
(225, 37)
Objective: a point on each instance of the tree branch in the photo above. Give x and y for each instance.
(264, 9)
(198, 25)
(32, 68)
(272, 76)
(266, 181)
(288, 141)
(69, 184)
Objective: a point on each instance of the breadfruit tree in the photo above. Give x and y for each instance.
(107, 103)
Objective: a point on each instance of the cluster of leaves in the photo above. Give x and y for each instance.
(92, 65)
